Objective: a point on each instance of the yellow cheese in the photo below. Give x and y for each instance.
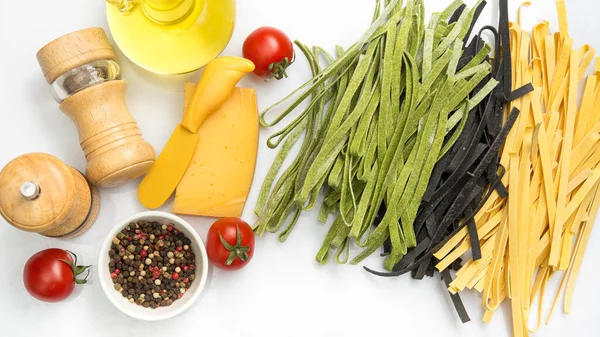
(218, 180)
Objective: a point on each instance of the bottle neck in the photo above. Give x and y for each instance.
(162, 12)
(166, 12)
(122, 5)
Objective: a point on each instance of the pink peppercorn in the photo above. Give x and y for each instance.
(192, 267)
(186, 280)
(113, 275)
(175, 232)
(180, 295)
(185, 268)
(175, 276)
(117, 271)
(170, 228)
(179, 248)
(143, 253)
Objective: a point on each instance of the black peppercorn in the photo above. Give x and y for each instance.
(143, 278)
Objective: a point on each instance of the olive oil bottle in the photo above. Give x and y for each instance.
(171, 36)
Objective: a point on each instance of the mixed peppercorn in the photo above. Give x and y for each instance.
(151, 264)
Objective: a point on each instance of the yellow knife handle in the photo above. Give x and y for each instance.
(216, 85)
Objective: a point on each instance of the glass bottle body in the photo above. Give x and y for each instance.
(171, 36)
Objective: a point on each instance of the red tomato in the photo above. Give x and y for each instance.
(51, 274)
(270, 50)
(230, 243)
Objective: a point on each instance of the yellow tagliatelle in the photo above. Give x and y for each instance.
(552, 161)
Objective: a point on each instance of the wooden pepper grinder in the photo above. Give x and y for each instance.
(39, 193)
(86, 81)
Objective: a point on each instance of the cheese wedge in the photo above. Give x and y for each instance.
(218, 180)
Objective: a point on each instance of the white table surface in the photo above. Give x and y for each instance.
(283, 292)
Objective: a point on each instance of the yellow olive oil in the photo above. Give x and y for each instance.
(171, 36)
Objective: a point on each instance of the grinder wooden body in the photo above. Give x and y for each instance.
(109, 136)
(41, 194)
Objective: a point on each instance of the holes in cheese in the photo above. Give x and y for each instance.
(218, 180)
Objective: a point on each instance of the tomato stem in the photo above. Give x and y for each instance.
(238, 250)
(277, 70)
(77, 270)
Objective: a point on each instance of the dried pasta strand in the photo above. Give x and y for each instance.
(580, 250)
(565, 160)
(562, 19)
(552, 161)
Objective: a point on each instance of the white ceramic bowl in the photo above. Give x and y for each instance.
(178, 306)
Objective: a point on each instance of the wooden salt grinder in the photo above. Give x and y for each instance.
(86, 81)
(39, 193)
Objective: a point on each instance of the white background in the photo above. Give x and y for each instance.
(283, 292)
